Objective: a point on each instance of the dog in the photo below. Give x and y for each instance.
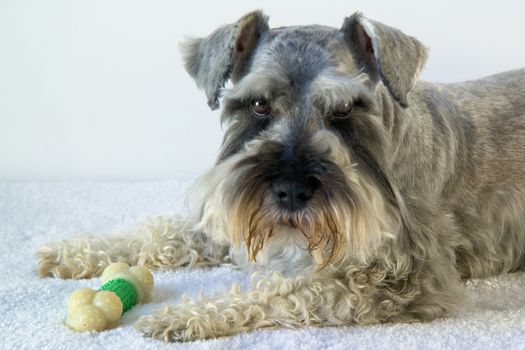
(360, 194)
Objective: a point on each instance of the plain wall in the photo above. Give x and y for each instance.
(95, 89)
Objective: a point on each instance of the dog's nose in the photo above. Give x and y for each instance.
(293, 194)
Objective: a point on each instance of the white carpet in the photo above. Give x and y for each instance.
(32, 310)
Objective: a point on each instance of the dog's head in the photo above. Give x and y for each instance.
(306, 147)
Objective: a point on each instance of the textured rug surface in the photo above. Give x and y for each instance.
(32, 310)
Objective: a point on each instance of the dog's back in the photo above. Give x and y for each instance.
(480, 130)
(491, 117)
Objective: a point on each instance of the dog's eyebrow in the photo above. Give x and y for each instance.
(258, 84)
(329, 89)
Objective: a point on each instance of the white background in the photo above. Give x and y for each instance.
(95, 89)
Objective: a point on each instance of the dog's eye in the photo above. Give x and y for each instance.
(342, 111)
(260, 107)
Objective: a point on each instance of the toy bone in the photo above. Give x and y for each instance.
(123, 286)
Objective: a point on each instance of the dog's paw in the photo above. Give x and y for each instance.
(70, 259)
(174, 324)
(50, 262)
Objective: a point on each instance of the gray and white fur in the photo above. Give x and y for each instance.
(363, 194)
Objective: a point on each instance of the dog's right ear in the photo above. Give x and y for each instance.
(211, 61)
(387, 54)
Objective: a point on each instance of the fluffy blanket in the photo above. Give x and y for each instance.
(32, 310)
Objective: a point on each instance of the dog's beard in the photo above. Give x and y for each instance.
(347, 218)
(339, 222)
(256, 218)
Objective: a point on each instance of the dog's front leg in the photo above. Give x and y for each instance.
(161, 243)
(273, 302)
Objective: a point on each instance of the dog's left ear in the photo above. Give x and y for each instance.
(386, 53)
(211, 61)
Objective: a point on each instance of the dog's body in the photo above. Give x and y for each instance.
(370, 193)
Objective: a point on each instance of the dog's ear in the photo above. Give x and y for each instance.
(386, 53)
(211, 61)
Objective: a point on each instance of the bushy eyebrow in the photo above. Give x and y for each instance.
(326, 91)
(330, 89)
(268, 84)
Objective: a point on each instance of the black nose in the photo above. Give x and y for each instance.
(294, 194)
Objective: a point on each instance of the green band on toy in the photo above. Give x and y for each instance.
(124, 290)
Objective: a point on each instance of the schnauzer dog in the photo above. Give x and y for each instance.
(365, 194)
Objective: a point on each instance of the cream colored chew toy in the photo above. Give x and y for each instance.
(123, 287)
